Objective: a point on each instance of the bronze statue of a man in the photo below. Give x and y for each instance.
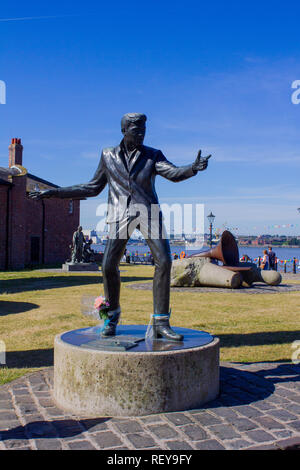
(77, 245)
(130, 170)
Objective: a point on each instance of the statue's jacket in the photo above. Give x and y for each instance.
(131, 182)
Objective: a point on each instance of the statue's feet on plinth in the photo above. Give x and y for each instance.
(162, 328)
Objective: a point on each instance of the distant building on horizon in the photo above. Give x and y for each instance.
(31, 231)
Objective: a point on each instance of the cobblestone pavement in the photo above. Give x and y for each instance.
(258, 407)
(257, 288)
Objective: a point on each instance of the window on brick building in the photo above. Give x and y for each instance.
(71, 207)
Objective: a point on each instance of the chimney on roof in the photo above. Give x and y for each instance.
(15, 153)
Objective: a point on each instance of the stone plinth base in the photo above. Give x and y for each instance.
(154, 377)
(80, 267)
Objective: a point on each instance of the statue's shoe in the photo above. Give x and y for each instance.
(162, 329)
(110, 324)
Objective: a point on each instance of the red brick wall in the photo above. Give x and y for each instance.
(17, 223)
(59, 228)
(3, 204)
(26, 221)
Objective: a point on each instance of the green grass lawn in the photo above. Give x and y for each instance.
(35, 306)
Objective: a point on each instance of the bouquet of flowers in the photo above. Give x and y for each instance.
(102, 306)
(95, 307)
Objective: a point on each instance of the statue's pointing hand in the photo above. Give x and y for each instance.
(200, 163)
(40, 194)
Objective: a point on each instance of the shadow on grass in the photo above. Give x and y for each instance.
(9, 307)
(260, 338)
(29, 359)
(12, 286)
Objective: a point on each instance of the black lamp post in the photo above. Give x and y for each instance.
(211, 218)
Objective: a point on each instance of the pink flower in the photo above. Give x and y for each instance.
(99, 301)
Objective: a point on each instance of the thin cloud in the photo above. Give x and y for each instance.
(27, 18)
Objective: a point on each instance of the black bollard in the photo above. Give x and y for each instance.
(294, 265)
(259, 261)
(285, 266)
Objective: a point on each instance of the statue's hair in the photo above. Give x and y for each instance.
(132, 117)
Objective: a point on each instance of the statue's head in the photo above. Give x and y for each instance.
(133, 126)
(79, 228)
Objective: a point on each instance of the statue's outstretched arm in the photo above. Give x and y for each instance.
(92, 188)
(180, 173)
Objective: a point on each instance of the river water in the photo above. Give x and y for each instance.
(283, 254)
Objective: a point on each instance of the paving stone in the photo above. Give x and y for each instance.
(39, 429)
(128, 426)
(285, 393)
(283, 433)
(178, 445)
(40, 388)
(106, 439)
(248, 411)
(28, 408)
(20, 392)
(94, 425)
(5, 396)
(282, 415)
(46, 402)
(239, 444)
(5, 405)
(15, 443)
(194, 432)
(31, 418)
(151, 419)
(48, 444)
(269, 423)
(259, 435)
(8, 416)
(9, 424)
(163, 431)
(289, 443)
(277, 400)
(81, 445)
(263, 405)
(224, 431)
(178, 418)
(54, 412)
(226, 413)
(206, 418)
(244, 424)
(295, 425)
(209, 444)
(141, 441)
(262, 447)
(293, 408)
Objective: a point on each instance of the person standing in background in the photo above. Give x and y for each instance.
(272, 259)
(265, 261)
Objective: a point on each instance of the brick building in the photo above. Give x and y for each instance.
(33, 232)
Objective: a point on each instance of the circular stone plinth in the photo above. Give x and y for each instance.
(151, 377)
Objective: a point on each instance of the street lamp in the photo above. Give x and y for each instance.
(211, 218)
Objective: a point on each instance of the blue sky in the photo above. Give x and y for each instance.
(215, 77)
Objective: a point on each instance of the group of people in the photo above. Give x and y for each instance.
(268, 260)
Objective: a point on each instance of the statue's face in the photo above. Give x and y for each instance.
(134, 133)
(80, 229)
